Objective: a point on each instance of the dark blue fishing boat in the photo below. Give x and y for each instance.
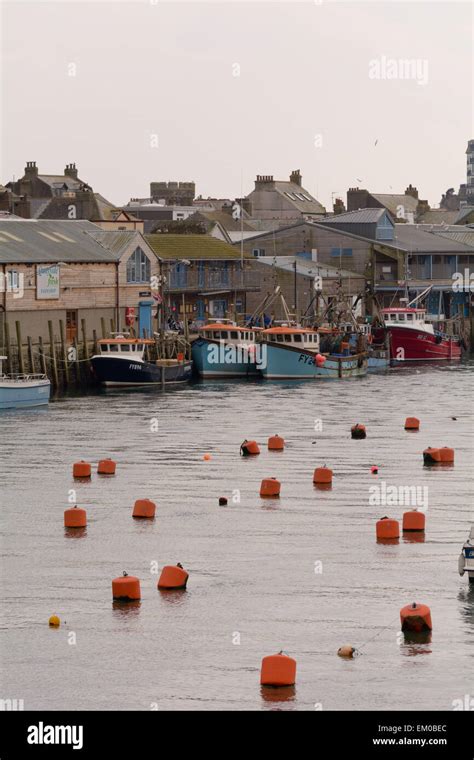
(121, 362)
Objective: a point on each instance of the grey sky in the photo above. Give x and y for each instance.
(303, 97)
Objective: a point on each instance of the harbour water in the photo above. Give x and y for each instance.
(303, 573)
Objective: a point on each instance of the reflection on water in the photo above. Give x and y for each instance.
(303, 573)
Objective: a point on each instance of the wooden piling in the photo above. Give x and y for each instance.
(31, 357)
(64, 352)
(94, 335)
(21, 366)
(102, 327)
(54, 366)
(84, 338)
(76, 362)
(112, 325)
(42, 356)
(8, 347)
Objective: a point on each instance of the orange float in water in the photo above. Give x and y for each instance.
(270, 487)
(144, 508)
(387, 528)
(413, 521)
(126, 588)
(173, 577)
(106, 467)
(446, 455)
(278, 670)
(322, 475)
(249, 448)
(412, 423)
(81, 469)
(416, 617)
(75, 518)
(358, 431)
(431, 456)
(207, 457)
(276, 443)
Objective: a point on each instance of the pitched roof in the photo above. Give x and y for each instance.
(363, 216)
(32, 241)
(306, 203)
(191, 247)
(224, 219)
(117, 241)
(418, 238)
(57, 180)
(391, 201)
(461, 235)
(438, 216)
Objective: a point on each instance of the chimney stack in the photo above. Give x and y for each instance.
(70, 171)
(296, 177)
(412, 191)
(31, 170)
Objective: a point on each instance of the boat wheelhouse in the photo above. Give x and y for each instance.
(466, 558)
(293, 352)
(123, 361)
(23, 390)
(412, 337)
(224, 349)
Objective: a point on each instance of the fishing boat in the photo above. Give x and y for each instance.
(23, 390)
(225, 349)
(356, 334)
(466, 558)
(294, 352)
(413, 338)
(121, 361)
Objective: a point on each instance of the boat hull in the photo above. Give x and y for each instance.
(18, 394)
(111, 371)
(212, 359)
(409, 344)
(286, 362)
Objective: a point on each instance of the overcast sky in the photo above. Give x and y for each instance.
(217, 92)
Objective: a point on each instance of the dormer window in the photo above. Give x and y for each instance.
(138, 267)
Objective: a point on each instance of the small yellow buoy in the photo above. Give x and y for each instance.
(54, 621)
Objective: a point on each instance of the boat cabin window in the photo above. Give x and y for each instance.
(401, 317)
(125, 347)
(104, 348)
(139, 347)
(410, 317)
(287, 338)
(280, 338)
(297, 338)
(234, 334)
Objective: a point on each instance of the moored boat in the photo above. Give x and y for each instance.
(413, 338)
(23, 390)
(224, 349)
(121, 362)
(293, 352)
(466, 558)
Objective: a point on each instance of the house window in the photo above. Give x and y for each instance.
(259, 251)
(13, 280)
(138, 267)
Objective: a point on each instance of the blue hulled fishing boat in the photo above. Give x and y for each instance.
(293, 352)
(23, 390)
(223, 349)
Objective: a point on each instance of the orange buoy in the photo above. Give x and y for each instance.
(358, 431)
(320, 360)
(276, 443)
(173, 577)
(278, 670)
(412, 423)
(446, 455)
(270, 487)
(387, 528)
(207, 457)
(431, 456)
(374, 469)
(126, 588)
(81, 469)
(322, 475)
(144, 508)
(249, 448)
(346, 651)
(413, 521)
(106, 467)
(75, 518)
(416, 617)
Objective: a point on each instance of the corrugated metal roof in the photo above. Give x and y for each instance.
(418, 239)
(460, 235)
(116, 241)
(362, 216)
(31, 241)
(392, 201)
(306, 267)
